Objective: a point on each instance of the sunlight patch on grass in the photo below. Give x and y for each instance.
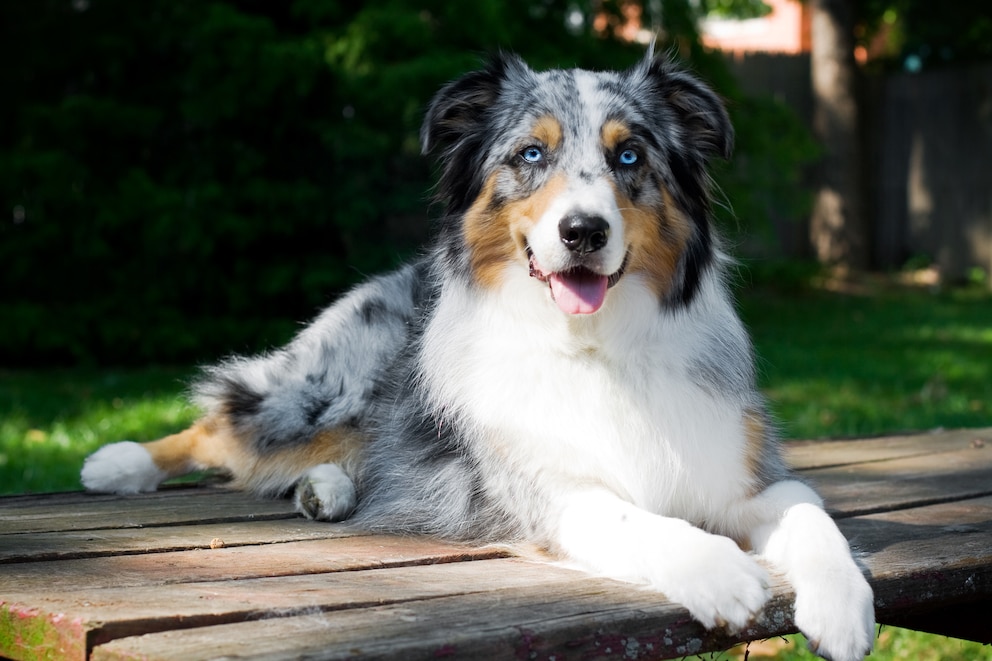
(51, 421)
(836, 365)
(891, 644)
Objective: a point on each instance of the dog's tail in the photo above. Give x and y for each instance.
(270, 419)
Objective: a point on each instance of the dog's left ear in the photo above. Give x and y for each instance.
(702, 130)
(700, 110)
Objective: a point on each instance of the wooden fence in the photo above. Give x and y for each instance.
(928, 158)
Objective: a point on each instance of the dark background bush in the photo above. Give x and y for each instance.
(181, 179)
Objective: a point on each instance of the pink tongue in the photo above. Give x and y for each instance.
(579, 291)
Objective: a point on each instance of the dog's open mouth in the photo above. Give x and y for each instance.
(579, 290)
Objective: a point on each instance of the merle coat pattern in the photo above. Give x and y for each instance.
(562, 366)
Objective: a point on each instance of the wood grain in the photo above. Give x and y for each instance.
(803, 455)
(95, 512)
(203, 572)
(74, 544)
(905, 482)
(292, 558)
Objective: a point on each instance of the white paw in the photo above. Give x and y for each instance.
(325, 493)
(710, 575)
(715, 580)
(124, 468)
(834, 603)
(837, 615)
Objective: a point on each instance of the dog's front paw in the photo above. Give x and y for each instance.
(715, 580)
(837, 616)
(124, 468)
(325, 493)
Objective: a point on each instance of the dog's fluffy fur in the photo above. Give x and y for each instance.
(564, 366)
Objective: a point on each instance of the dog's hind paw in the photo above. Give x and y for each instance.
(325, 493)
(123, 468)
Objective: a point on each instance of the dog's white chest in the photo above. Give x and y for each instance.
(597, 407)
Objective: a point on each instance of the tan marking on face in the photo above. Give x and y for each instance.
(548, 131)
(656, 243)
(613, 133)
(498, 236)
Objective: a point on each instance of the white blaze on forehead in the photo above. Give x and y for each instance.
(592, 106)
(588, 190)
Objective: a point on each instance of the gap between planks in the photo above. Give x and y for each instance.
(912, 566)
(309, 557)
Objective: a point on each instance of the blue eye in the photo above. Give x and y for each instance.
(532, 155)
(627, 157)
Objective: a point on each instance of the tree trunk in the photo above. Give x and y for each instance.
(838, 227)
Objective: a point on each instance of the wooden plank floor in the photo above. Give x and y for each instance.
(198, 573)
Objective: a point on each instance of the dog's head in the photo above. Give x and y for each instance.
(580, 177)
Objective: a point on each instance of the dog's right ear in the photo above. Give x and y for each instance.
(458, 126)
(460, 108)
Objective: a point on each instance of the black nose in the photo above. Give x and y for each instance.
(582, 233)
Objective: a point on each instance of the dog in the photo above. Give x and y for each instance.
(563, 366)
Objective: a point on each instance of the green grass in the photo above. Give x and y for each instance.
(50, 420)
(841, 365)
(891, 644)
(833, 365)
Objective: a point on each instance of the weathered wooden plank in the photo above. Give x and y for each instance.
(314, 556)
(72, 544)
(930, 522)
(916, 558)
(910, 564)
(923, 558)
(803, 455)
(935, 553)
(100, 615)
(922, 540)
(905, 482)
(206, 505)
(29, 500)
(587, 619)
(26, 504)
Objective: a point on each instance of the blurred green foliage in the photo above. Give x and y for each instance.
(180, 179)
(916, 34)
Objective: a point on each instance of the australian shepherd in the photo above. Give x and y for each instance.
(564, 366)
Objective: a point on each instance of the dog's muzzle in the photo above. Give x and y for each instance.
(579, 290)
